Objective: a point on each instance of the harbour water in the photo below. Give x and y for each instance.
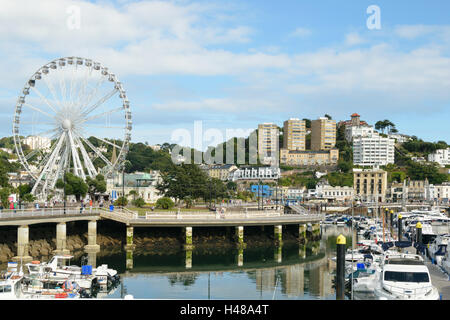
(295, 271)
(290, 272)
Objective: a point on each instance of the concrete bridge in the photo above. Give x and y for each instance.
(186, 220)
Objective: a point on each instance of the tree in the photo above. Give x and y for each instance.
(164, 203)
(180, 181)
(28, 198)
(418, 171)
(96, 185)
(139, 202)
(121, 202)
(74, 186)
(133, 193)
(4, 196)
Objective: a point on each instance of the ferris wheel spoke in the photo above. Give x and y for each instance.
(77, 167)
(106, 113)
(49, 163)
(100, 102)
(38, 110)
(82, 95)
(44, 99)
(109, 142)
(89, 165)
(98, 152)
(103, 127)
(43, 133)
(94, 91)
(53, 91)
(32, 153)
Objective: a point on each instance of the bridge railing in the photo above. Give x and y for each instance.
(201, 215)
(44, 212)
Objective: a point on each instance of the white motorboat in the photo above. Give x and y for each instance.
(438, 248)
(59, 269)
(42, 273)
(404, 277)
(10, 285)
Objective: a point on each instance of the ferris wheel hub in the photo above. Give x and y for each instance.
(66, 124)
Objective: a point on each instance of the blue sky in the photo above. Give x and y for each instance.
(234, 64)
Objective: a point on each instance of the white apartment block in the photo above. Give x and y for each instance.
(268, 143)
(37, 142)
(326, 191)
(373, 150)
(441, 156)
(358, 131)
(255, 173)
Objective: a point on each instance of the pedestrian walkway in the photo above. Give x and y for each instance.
(439, 279)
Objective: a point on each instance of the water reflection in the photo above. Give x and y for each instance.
(290, 271)
(298, 271)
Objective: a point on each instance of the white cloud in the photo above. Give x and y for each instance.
(353, 38)
(416, 31)
(301, 32)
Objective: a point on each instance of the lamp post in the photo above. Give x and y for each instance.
(64, 178)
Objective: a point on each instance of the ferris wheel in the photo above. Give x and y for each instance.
(73, 116)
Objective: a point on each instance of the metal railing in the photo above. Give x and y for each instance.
(226, 216)
(45, 212)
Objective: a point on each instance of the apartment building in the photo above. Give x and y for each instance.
(268, 143)
(294, 132)
(326, 191)
(221, 172)
(370, 184)
(441, 156)
(323, 134)
(309, 157)
(373, 150)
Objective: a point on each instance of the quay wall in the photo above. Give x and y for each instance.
(111, 235)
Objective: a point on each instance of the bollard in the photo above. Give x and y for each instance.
(340, 267)
(399, 226)
(391, 216)
(419, 233)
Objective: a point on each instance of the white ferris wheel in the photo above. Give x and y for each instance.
(72, 112)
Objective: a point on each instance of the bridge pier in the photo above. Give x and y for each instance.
(240, 257)
(240, 237)
(129, 260)
(129, 245)
(92, 236)
(278, 230)
(61, 239)
(22, 244)
(188, 245)
(278, 254)
(188, 260)
(302, 233)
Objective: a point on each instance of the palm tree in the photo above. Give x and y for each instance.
(133, 193)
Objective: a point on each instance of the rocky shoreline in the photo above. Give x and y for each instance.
(111, 236)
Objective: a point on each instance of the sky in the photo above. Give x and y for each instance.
(221, 66)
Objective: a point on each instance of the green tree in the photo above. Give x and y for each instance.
(164, 203)
(28, 198)
(74, 186)
(121, 202)
(96, 185)
(139, 202)
(4, 196)
(133, 193)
